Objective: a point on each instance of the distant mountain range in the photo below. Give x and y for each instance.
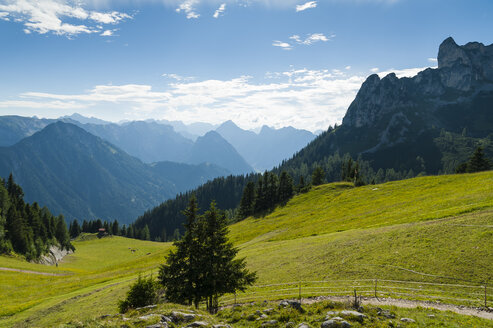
(269, 147)
(89, 168)
(83, 176)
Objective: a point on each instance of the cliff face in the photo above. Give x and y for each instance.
(462, 73)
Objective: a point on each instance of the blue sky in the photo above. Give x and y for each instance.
(274, 62)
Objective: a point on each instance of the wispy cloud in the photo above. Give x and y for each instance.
(283, 45)
(178, 77)
(406, 72)
(188, 8)
(219, 11)
(312, 38)
(305, 6)
(58, 16)
(303, 98)
(433, 60)
(374, 69)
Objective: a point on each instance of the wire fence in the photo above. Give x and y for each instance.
(458, 294)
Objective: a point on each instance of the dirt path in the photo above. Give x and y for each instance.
(34, 272)
(409, 304)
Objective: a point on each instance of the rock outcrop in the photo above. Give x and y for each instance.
(55, 255)
(462, 71)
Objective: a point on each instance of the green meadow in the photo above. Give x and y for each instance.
(428, 229)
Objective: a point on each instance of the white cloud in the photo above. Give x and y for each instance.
(433, 60)
(187, 7)
(308, 5)
(406, 72)
(312, 38)
(303, 98)
(51, 16)
(283, 45)
(347, 67)
(178, 77)
(374, 70)
(219, 11)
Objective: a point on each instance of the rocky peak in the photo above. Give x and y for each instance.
(451, 54)
(461, 69)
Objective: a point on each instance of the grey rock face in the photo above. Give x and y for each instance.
(461, 70)
(407, 320)
(55, 255)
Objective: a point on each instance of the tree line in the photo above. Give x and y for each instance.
(26, 228)
(110, 228)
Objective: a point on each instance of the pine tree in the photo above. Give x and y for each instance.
(318, 176)
(478, 162)
(145, 233)
(247, 201)
(115, 229)
(74, 229)
(286, 188)
(203, 264)
(222, 272)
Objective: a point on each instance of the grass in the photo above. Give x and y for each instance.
(96, 266)
(427, 229)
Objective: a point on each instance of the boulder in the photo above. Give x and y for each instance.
(269, 323)
(198, 324)
(332, 323)
(291, 303)
(181, 316)
(355, 314)
(158, 325)
(407, 320)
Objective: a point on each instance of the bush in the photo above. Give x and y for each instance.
(142, 293)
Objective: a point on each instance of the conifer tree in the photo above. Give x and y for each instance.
(318, 176)
(247, 201)
(203, 265)
(478, 162)
(286, 188)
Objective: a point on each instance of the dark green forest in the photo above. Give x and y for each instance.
(26, 228)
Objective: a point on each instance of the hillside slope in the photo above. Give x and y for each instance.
(429, 229)
(433, 225)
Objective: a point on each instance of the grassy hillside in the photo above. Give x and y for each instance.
(85, 284)
(428, 229)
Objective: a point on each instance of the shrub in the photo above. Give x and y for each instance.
(142, 293)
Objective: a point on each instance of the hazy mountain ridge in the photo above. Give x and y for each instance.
(83, 176)
(269, 147)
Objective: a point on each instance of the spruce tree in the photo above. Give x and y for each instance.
(247, 201)
(318, 176)
(203, 265)
(286, 188)
(222, 272)
(478, 162)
